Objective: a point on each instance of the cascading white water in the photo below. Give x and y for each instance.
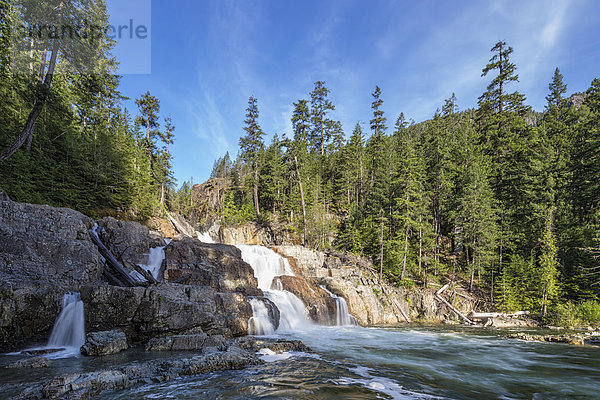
(69, 328)
(155, 260)
(204, 237)
(267, 266)
(260, 323)
(342, 316)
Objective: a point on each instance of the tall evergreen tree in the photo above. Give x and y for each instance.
(321, 124)
(251, 146)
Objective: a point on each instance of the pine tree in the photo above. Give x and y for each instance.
(251, 146)
(321, 125)
(548, 267)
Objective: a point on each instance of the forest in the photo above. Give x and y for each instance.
(501, 196)
(65, 137)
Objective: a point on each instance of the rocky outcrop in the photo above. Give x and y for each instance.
(85, 385)
(32, 362)
(578, 340)
(128, 241)
(187, 342)
(320, 305)
(253, 233)
(104, 343)
(43, 247)
(46, 251)
(219, 266)
(162, 225)
(370, 302)
(167, 308)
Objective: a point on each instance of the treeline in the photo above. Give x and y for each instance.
(65, 137)
(501, 196)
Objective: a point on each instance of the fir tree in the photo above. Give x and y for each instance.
(251, 146)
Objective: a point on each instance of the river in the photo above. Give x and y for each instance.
(405, 363)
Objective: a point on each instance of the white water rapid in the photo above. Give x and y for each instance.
(267, 266)
(260, 323)
(342, 316)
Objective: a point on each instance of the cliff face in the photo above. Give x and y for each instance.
(46, 251)
(368, 301)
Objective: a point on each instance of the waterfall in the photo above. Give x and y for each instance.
(69, 328)
(155, 260)
(342, 316)
(268, 265)
(204, 237)
(260, 323)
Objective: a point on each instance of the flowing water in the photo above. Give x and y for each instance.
(405, 363)
(68, 332)
(352, 362)
(267, 266)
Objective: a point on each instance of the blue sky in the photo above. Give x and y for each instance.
(208, 57)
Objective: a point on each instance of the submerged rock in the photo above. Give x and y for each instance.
(85, 385)
(186, 342)
(104, 343)
(33, 362)
(577, 340)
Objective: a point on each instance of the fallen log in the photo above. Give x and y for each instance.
(114, 267)
(147, 275)
(438, 295)
(395, 303)
(178, 226)
(476, 315)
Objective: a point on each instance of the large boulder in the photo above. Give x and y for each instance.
(42, 246)
(104, 343)
(219, 266)
(186, 342)
(44, 252)
(167, 308)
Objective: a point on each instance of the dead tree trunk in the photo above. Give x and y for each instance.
(40, 101)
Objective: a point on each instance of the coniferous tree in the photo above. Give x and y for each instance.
(251, 146)
(321, 131)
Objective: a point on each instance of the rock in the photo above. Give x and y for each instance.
(577, 340)
(82, 386)
(33, 362)
(46, 247)
(41, 352)
(163, 309)
(104, 343)
(130, 242)
(351, 278)
(86, 384)
(162, 225)
(186, 342)
(44, 252)
(219, 266)
(320, 305)
(254, 344)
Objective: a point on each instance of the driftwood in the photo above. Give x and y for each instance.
(147, 275)
(178, 226)
(476, 315)
(113, 269)
(438, 295)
